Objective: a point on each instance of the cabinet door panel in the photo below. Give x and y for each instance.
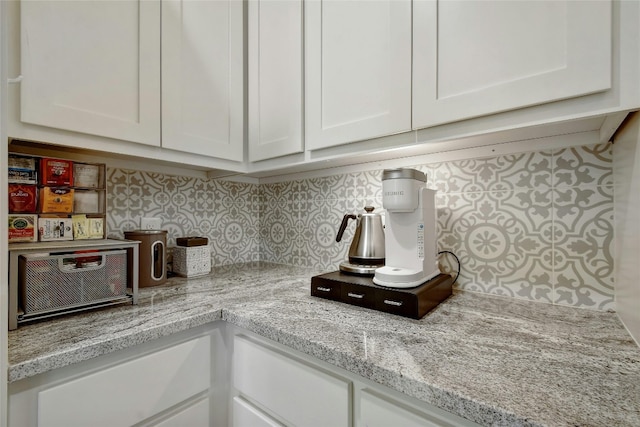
(378, 411)
(358, 70)
(298, 393)
(477, 58)
(275, 78)
(128, 393)
(92, 67)
(194, 416)
(202, 77)
(245, 415)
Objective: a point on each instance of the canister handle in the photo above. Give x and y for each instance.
(158, 260)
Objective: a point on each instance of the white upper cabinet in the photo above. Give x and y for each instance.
(202, 77)
(275, 71)
(165, 73)
(92, 67)
(357, 70)
(477, 58)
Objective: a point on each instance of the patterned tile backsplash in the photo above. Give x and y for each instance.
(227, 213)
(535, 226)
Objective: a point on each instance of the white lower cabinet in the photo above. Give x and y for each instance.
(378, 410)
(289, 389)
(272, 385)
(130, 392)
(166, 386)
(194, 415)
(247, 415)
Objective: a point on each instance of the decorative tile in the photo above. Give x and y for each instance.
(319, 236)
(236, 237)
(137, 191)
(502, 240)
(300, 190)
(279, 233)
(227, 213)
(119, 200)
(511, 172)
(279, 195)
(367, 185)
(583, 166)
(335, 187)
(583, 243)
(525, 170)
(450, 178)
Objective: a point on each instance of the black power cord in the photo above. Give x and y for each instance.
(457, 260)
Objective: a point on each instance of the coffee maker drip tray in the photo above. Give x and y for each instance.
(361, 291)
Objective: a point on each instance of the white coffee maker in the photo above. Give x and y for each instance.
(410, 230)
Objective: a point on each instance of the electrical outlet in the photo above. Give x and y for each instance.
(150, 223)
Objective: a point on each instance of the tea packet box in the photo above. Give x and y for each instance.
(22, 228)
(22, 169)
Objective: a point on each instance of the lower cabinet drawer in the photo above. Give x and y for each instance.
(298, 393)
(130, 392)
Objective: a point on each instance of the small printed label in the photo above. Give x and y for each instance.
(421, 240)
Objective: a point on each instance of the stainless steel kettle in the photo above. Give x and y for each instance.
(366, 252)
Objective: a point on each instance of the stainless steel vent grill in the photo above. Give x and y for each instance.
(56, 282)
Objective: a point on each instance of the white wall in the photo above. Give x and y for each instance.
(3, 226)
(626, 166)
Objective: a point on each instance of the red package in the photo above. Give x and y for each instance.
(22, 198)
(56, 172)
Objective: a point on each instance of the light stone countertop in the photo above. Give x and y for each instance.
(496, 361)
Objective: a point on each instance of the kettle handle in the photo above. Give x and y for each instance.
(343, 226)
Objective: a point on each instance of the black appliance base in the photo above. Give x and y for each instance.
(361, 291)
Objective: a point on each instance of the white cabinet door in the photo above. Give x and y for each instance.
(202, 77)
(477, 58)
(132, 391)
(196, 415)
(294, 391)
(92, 67)
(246, 415)
(275, 78)
(357, 70)
(375, 410)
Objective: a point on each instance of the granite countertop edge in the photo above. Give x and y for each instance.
(85, 351)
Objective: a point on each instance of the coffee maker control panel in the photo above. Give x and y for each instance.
(421, 240)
